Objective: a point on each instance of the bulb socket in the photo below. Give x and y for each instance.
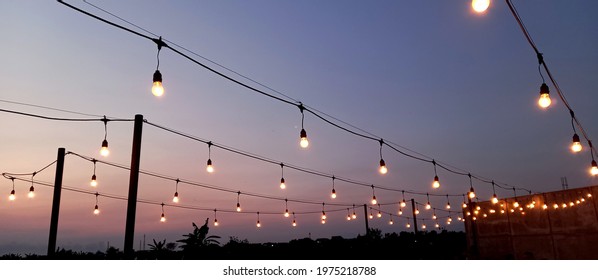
(157, 76)
(544, 89)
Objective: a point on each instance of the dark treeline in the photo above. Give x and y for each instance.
(197, 245)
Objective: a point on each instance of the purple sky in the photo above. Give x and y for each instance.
(431, 76)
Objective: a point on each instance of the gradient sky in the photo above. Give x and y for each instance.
(431, 76)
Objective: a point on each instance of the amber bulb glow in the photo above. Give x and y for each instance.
(516, 204)
(162, 218)
(436, 183)
(371, 216)
(12, 195)
(282, 184)
(416, 212)
(303, 142)
(374, 201)
(594, 168)
(286, 213)
(238, 207)
(333, 194)
(294, 223)
(391, 222)
(216, 222)
(544, 101)
(471, 193)
(403, 203)
(348, 217)
(104, 150)
(94, 181)
(382, 169)
(31, 193)
(258, 224)
(428, 206)
(480, 6)
(96, 210)
(464, 205)
(209, 166)
(157, 88)
(448, 205)
(353, 216)
(379, 214)
(408, 225)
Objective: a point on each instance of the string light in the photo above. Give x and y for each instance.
(12, 195)
(282, 182)
(286, 205)
(434, 215)
(544, 101)
(408, 225)
(594, 168)
(379, 213)
(371, 216)
(374, 201)
(391, 222)
(258, 224)
(94, 182)
(448, 203)
(400, 211)
(515, 203)
(175, 199)
(353, 216)
(576, 146)
(383, 170)
(480, 6)
(238, 203)
(323, 212)
(416, 212)
(423, 226)
(494, 196)
(471, 193)
(333, 193)
(31, 193)
(104, 150)
(303, 142)
(435, 183)
(162, 217)
(348, 215)
(215, 219)
(96, 209)
(209, 166)
(428, 205)
(294, 222)
(403, 202)
(464, 205)
(437, 225)
(157, 88)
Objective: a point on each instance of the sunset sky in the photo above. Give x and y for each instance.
(434, 78)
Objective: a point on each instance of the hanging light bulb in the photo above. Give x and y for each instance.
(471, 193)
(371, 216)
(494, 199)
(416, 212)
(516, 204)
(436, 183)
(175, 199)
(434, 216)
(333, 193)
(303, 142)
(544, 100)
(576, 146)
(589, 195)
(294, 222)
(94, 182)
(238, 203)
(348, 215)
(157, 88)
(353, 216)
(379, 214)
(323, 215)
(374, 200)
(286, 210)
(448, 203)
(555, 206)
(400, 211)
(423, 226)
(403, 203)
(104, 150)
(96, 210)
(480, 6)
(428, 205)
(323, 221)
(408, 225)
(31, 193)
(383, 169)
(163, 217)
(391, 222)
(215, 219)
(209, 166)
(282, 184)
(12, 195)
(594, 168)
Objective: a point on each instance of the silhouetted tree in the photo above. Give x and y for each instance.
(198, 239)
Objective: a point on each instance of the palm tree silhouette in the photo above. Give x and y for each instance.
(197, 239)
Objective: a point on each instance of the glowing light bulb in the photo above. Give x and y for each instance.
(403, 203)
(175, 199)
(162, 218)
(492, 211)
(471, 193)
(494, 199)
(391, 222)
(485, 215)
(323, 215)
(12, 196)
(294, 223)
(416, 212)
(282, 184)
(353, 216)
(94, 181)
(104, 150)
(382, 169)
(333, 194)
(286, 213)
(323, 221)
(374, 201)
(544, 100)
(424, 226)
(434, 217)
(348, 217)
(31, 193)
(555, 206)
(589, 195)
(436, 183)
(594, 169)
(480, 6)
(464, 205)
(303, 142)
(258, 224)
(437, 225)
(157, 88)
(577, 201)
(571, 203)
(216, 222)
(238, 207)
(96, 210)
(408, 225)
(448, 205)
(428, 206)
(209, 166)
(371, 216)
(515, 204)
(400, 211)
(576, 146)
(564, 205)
(379, 214)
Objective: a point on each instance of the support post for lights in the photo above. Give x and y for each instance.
(414, 217)
(133, 186)
(56, 202)
(365, 217)
(474, 252)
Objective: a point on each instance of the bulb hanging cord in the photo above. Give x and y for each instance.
(105, 121)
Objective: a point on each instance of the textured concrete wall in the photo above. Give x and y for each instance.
(564, 233)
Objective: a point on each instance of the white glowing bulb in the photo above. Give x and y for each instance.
(104, 150)
(175, 199)
(436, 183)
(157, 89)
(408, 225)
(303, 142)
(31, 193)
(333, 194)
(382, 169)
(258, 224)
(494, 199)
(282, 184)
(594, 169)
(209, 166)
(480, 6)
(162, 218)
(379, 215)
(216, 222)
(94, 182)
(12, 196)
(428, 206)
(294, 223)
(374, 201)
(238, 207)
(403, 203)
(96, 210)
(448, 205)
(286, 213)
(544, 101)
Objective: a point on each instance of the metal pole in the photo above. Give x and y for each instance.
(414, 217)
(365, 217)
(56, 203)
(133, 186)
